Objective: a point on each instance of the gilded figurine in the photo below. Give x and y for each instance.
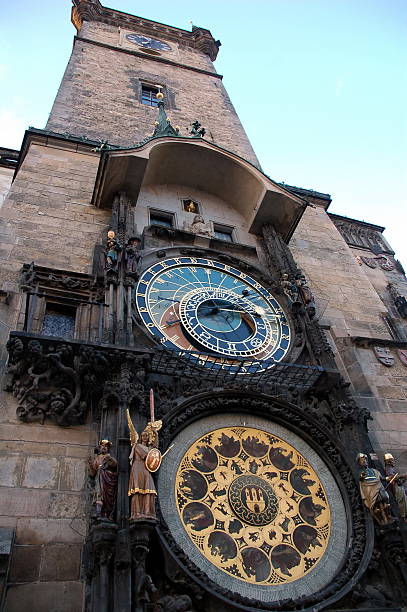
(103, 468)
(113, 248)
(145, 458)
(397, 482)
(373, 493)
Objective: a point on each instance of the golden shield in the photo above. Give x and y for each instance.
(153, 460)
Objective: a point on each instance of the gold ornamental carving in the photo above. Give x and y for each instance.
(253, 505)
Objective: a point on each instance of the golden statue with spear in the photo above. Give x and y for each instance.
(145, 458)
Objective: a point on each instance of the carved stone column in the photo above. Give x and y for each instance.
(103, 538)
(143, 587)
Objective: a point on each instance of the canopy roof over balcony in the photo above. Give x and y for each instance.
(200, 164)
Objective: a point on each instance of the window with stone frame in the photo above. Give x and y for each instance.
(161, 217)
(149, 95)
(223, 232)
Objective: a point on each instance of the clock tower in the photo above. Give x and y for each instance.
(166, 336)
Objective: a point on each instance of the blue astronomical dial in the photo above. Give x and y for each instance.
(214, 311)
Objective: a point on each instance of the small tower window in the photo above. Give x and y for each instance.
(159, 217)
(148, 95)
(223, 232)
(59, 320)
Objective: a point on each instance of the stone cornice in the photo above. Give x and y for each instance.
(367, 342)
(91, 10)
(162, 60)
(367, 225)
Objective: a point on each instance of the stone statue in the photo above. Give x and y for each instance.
(373, 493)
(400, 301)
(197, 130)
(103, 468)
(198, 226)
(397, 482)
(113, 248)
(144, 459)
(289, 288)
(306, 294)
(132, 255)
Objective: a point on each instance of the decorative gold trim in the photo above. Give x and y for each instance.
(142, 491)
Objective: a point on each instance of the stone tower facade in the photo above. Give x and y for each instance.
(161, 297)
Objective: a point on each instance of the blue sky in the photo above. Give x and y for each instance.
(320, 86)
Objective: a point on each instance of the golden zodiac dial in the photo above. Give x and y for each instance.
(253, 505)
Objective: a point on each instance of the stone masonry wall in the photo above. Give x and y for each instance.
(350, 306)
(343, 291)
(47, 217)
(100, 97)
(42, 496)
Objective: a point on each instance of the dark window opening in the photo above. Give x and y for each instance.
(161, 218)
(191, 206)
(223, 232)
(148, 95)
(59, 320)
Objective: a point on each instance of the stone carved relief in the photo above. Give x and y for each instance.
(381, 260)
(383, 354)
(198, 226)
(57, 380)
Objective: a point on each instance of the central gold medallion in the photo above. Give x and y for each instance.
(253, 500)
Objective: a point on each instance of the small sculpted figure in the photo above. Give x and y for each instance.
(113, 248)
(198, 226)
(289, 288)
(132, 255)
(397, 482)
(373, 493)
(103, 468)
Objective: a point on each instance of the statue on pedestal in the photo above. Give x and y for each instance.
(132, 255)
(397, 482)
(103, 468)
(373, 493)
(113, 248)
(145, 458)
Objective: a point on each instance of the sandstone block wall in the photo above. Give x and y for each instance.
(42, 496)
(343, 292)
(100, 95)
(347, 297)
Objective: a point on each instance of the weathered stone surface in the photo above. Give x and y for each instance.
(65, 505)
(60, 563)
(45, 597)
(10, 470)
(20, 502)
(50, 531)
(73, 474)
(41, 472)
(25, 563)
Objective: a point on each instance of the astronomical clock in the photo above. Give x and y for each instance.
(253, 506)
(218, 314)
